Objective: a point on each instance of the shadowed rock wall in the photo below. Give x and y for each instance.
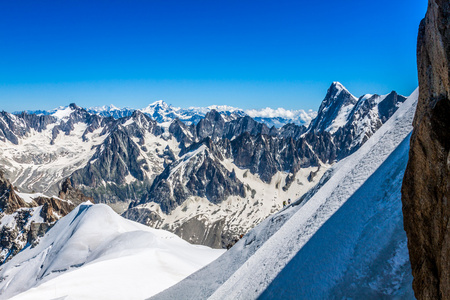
(426, 185)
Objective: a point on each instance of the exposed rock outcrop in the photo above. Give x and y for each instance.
(53, 209)
(68, 192)
(23, 223)
(426, 185)
(9, 201)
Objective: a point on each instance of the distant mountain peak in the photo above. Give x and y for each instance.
(336, 89)
(334, 110)
(338, 85)
(158, 104)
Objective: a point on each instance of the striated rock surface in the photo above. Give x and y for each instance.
(426, 185)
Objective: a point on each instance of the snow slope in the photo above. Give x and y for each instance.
(363, 247)
(364, 236)
(93, 253)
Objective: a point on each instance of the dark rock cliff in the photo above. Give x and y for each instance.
(426, 185)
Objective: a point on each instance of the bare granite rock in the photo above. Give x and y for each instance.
(426, 185)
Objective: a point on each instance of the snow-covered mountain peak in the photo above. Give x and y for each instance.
(334, 110)
(224, 108)
(337, 85)
(157, 106)
(163, 113)
(90, 242)
(337, 89)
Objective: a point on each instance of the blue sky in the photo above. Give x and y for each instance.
(249, 54)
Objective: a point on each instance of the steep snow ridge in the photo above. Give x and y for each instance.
(360, 251)
(93, 253)
(245, 271)
(298, 230)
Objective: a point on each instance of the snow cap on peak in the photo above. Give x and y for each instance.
(337, 84)
(337, 87)
(156, 106)
(159, 103)
(335, 90)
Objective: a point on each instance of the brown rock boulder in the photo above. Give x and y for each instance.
(426, 185)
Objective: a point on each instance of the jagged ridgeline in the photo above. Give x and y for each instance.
(25, 218)
(207, 179)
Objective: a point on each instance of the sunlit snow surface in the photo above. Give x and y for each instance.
(346, 241)
(93, 253)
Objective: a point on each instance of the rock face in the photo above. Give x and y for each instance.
(426, 185)
(24, 222)
(68, 192)
(9, 201)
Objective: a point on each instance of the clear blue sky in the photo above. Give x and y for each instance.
(249, 54)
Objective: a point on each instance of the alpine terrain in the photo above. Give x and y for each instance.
(207, 181)
(343, 239)
(93, 253)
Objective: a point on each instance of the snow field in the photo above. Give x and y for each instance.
(93, 253)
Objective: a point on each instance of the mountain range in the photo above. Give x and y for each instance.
(346, 229)
(350, 205)
(162, 112)
(208, 182)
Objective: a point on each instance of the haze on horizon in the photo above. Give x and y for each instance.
(251, 54)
